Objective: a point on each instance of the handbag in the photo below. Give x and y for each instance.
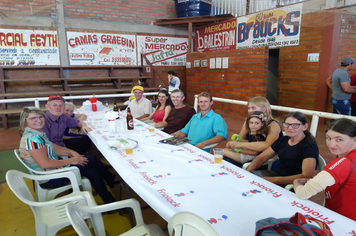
(297, 225)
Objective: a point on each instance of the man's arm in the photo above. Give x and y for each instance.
(329, 82)
(347, 88)
(216, 139)
(143, 116)
(84, 127)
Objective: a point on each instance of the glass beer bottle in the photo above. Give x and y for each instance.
(116, 108)
(129, 119)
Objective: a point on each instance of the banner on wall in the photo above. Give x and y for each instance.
(216, 37)
(274, 28)
(28, 47)
(101, 49)
(163, 51)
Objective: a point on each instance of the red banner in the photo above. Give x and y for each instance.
(216, 37)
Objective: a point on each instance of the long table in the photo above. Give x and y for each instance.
(184, 178)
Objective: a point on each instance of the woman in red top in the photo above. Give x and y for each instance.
(338, 178)
(163, 108)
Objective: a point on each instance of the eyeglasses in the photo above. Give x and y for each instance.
(294, 125)
(36, 118)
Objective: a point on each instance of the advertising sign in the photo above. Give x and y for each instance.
(101, 49)
(163, 51)
(216, 37)
(274, 28)
(28, 47)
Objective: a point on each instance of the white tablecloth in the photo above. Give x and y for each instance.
(176, 178)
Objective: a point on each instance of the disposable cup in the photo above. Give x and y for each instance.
(129, 149)
(151, 127)
(218, 155)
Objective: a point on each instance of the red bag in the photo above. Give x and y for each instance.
(297, 225)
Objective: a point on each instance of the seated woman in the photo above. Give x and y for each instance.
(274, 132)
(297, 151)
(163, 108)
(41, 154)
(257, 132)
(338, 178)
(69, 111)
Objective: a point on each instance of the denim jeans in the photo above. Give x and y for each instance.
(341, 107)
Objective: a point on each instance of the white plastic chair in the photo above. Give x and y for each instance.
(76, 212)
(43, 194)
(320, 167)
(50, 216)
(268, 163)
(186, 223)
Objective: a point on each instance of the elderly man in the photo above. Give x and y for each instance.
(205, 127)
(339, 82)
(179, 115)
(140, 107)
(57, 123)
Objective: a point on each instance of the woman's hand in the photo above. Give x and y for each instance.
(79, 160)
(233, 144)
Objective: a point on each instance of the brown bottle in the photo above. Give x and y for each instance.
(116, 108)
(129, 119)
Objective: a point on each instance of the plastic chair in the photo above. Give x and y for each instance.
(186, 223)
(50, 216)
(76, 212)
(320, 167)
(43, 194)
(269, 163)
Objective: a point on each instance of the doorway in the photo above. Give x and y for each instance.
(272, 76)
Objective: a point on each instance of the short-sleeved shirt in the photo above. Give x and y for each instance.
(32, 140)
(340, 76)
(174, 84)
(203, 128)
(344, 202)
(55, 128)
(291, 157)
(159, 115)
(178, 118)
(140, 108)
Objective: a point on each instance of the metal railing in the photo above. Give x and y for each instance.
(38, 99)
(315, 114)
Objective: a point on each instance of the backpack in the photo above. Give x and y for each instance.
(297, 225)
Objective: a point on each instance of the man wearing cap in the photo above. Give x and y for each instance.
(140, 107)
(57, 122)
(339, 82)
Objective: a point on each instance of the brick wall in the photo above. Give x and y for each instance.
(297, 78)
(245, 78)
(134, 11)
(12, 8)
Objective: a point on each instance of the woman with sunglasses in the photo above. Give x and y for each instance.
(41, 154)
(297, 151)
(338, 178)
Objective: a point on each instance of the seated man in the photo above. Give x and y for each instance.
(205, 127)
(57, 122)
(140, 107)
(179, 115)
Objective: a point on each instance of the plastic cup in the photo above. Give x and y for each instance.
(218, 155)
(129, 149)
(151, 127)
